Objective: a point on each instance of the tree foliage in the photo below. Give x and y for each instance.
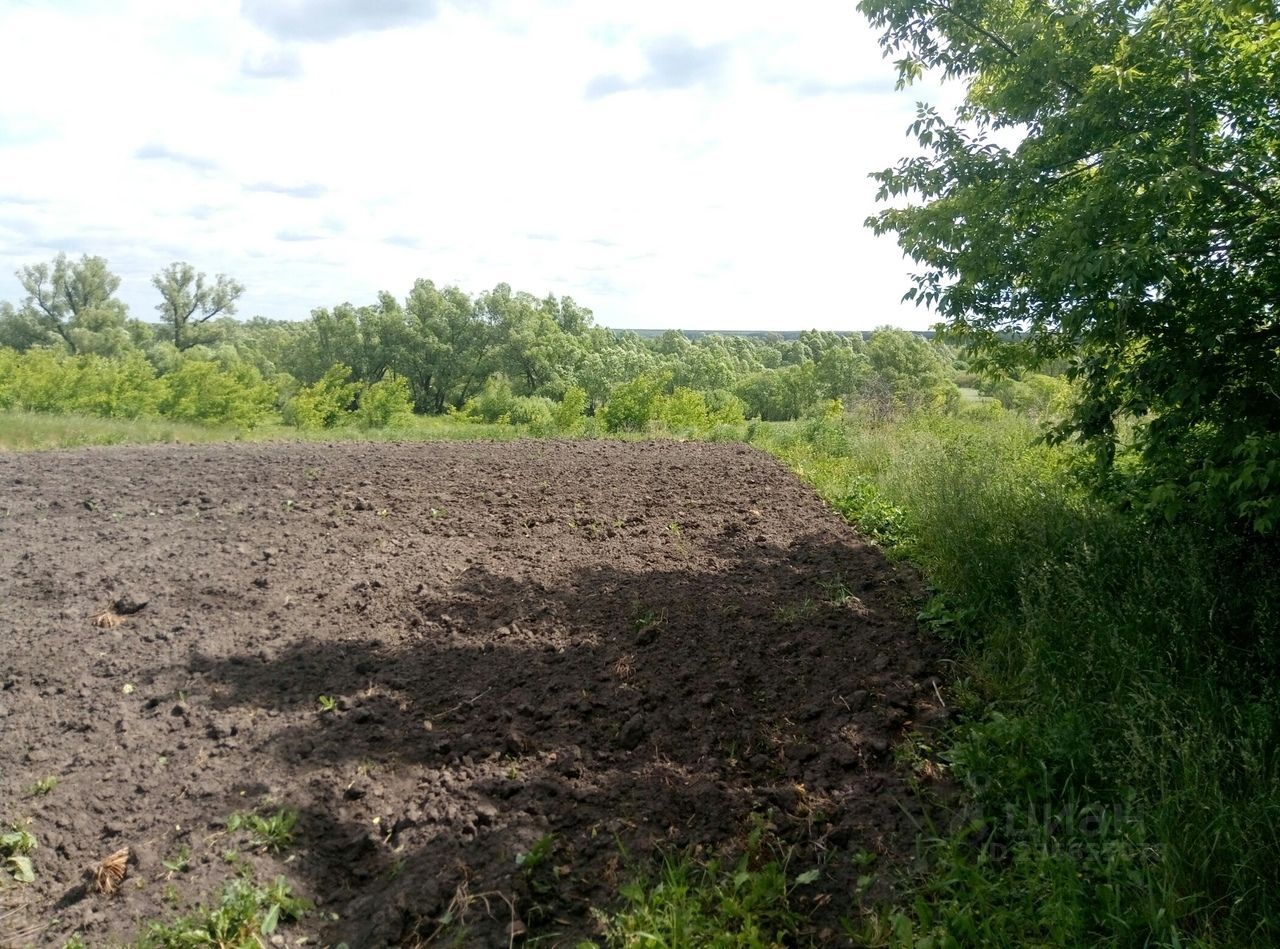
(1132, 231)
(188, 301)
(69, 303)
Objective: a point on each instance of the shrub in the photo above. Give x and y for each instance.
(326, 403)
(385, 403)
(633, 405)
(684, 410)
(532, 410)
(493, 403)
(199, 391)
(569, 414)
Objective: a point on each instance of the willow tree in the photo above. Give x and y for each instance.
(1133, 230)
(188, 300)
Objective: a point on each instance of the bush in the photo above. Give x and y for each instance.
(633, 405)
(385, 403)
(532, 410)
(326, 403)
(684, 410)
(199, 391)
(124, 387)
(569, 415)
(493, 403)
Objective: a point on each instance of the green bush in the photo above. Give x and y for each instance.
(327, 403)
(532, 410)
(570, 413)
(200, 391)
(385, 403)
(684, 410)
(124, 387)
(633, 405)
(493, 403)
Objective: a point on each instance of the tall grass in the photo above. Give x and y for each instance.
(1120, 756)
(37, 431)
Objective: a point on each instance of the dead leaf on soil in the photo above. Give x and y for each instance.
(107, 619)
(110, 873)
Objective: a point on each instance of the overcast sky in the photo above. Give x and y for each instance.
(665, 163)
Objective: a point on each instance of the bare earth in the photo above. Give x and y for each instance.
(608, 643)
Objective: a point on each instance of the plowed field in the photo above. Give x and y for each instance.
(581, 650)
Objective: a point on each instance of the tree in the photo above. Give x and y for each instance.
(187, 301)
(68, 302)
(1131, 231)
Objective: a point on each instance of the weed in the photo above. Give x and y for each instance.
(327, 703)
(744, 904)
(44, 786)
(179, 862)
(792, 614)
(647, 618)
(16, 847)
(246, 912)
(837, 591)
(273, 832)
(539, 877)
(530, 860)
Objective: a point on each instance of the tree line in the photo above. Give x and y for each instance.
(500, 355)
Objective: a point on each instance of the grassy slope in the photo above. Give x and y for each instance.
(1120, 749)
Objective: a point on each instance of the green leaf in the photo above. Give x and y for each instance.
(271, 920)
(22, 869)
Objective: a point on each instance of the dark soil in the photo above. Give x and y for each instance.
(608, 647)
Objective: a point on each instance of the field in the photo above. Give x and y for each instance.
(490, 681)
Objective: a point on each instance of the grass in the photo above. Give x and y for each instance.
(742, 904)
(272, 832)
(245, 913)
(1119, 754)
(41, 431)
(38, 431)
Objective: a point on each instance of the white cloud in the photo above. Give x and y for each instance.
(700, 165)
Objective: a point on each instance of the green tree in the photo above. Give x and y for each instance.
(1131, 231)
(188, 301)
(777, 395)
(449, 348)
(907, 372)
(70, 302)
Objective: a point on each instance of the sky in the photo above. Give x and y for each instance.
(665, 163)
